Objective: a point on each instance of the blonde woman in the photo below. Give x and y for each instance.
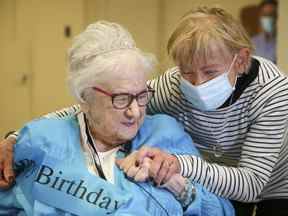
(233, 105)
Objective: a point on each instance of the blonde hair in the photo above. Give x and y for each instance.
(199, 29)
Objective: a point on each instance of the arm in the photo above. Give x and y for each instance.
(263, 142)
(12, 201)
(6, 146)
(168, 135)
(6, 161)
(260, 151)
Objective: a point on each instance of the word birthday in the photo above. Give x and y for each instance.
(77, 189)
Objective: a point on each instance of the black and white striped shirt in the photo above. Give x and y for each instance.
(246, 158)
(243, 143)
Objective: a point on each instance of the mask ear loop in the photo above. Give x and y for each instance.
(230, 68)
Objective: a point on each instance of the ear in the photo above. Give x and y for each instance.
(242, 61)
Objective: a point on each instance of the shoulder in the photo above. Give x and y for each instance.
(169, 77)
(163, 131)
(159, 122)
(159, 127)
(173, 74)
(53, 125)
(270, 89)
(268, 71)
(46, 133)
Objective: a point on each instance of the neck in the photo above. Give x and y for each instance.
(102, 144)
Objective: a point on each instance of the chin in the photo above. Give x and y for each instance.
(128, 135)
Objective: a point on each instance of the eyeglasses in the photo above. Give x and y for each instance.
(124, 100)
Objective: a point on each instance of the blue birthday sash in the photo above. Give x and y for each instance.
(68, 186)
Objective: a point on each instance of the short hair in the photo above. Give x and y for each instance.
(266, 2)
(98, 51)
(199, 29)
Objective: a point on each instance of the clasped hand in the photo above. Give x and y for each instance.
(150, 163)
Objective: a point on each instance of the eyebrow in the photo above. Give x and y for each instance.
(125, 92)
(209, 66)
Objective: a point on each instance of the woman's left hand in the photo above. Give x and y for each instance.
(160, 166)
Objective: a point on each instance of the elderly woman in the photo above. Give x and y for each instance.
(67, 167)
(233, 105)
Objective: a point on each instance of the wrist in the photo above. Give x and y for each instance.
(187, 195)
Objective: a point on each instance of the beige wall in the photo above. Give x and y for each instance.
(36, 84)
(282, 45)
(152, 21)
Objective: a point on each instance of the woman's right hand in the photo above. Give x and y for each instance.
(7, 176)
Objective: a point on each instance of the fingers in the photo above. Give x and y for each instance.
(132, 171)
(163, 170)
(155, 167)
(174, 168)
(127, 162)
(143, 173)
(8, 169)
(6, 163)
(3, 183)
(146, 152)
(163, 167)
(150, 162)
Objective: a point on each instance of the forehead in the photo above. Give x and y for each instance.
(268, 9)
(216, 54)
(132, 77)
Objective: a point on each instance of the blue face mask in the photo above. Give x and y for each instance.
(267, 23)
(209, 95)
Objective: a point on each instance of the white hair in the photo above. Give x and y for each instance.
(96, 53)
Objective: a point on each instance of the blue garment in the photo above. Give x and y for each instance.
(265, 48)
(54, 180)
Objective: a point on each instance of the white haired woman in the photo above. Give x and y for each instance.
(233, 105)
(67, 166)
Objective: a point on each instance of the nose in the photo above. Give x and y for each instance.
(196, 79)
(133, 110)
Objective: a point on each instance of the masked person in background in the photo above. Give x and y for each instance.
(67, 167)
(233, 105)
(265, 41)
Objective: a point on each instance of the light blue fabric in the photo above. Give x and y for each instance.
(55, 144)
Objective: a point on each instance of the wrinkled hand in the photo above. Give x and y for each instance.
(160, 166)
(7, 176)
(129, 165)
(176, 184)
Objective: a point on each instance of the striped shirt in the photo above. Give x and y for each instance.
(244, 143)
(246, 156)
